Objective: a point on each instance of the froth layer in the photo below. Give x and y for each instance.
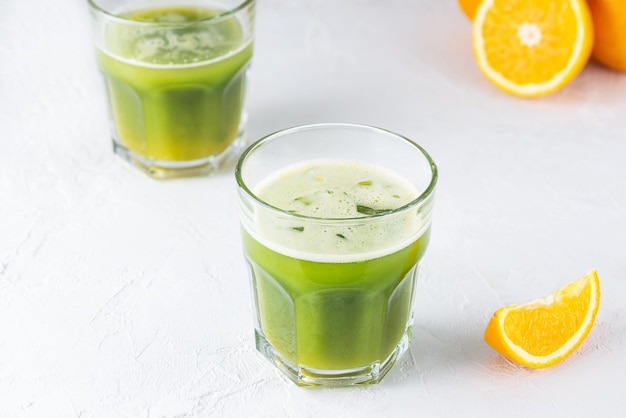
(171, 40)
(346, 193)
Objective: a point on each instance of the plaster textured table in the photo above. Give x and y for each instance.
(122, 296)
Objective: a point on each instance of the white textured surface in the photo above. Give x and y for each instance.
(124, 296)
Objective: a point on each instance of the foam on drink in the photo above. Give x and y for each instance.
(183, 46)
(340, 211)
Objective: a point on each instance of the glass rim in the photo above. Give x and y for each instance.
(220, 16)
(424, 195)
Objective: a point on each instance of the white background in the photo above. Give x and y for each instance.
(122, 296)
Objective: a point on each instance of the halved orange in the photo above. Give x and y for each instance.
(543, 332)
(532, 47)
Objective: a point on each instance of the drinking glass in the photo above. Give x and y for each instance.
(335, 219)
(175, 76)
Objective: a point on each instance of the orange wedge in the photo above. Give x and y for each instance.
(543, 332)
(532, 47)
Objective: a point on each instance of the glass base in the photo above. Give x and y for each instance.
(161, 169)
(304, 376)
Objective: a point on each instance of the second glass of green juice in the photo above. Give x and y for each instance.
(175, 76)
(335, 220)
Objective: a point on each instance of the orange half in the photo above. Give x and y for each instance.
(532, 47)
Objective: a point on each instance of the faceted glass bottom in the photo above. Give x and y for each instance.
(303, 376)
(174, 169)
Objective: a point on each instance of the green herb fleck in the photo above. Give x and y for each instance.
(341, 236)
(303, 199)
(298, 228)
(396, 196)
(365, 210)
(365, 183)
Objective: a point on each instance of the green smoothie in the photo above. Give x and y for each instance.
(333, 295)
(176, 90)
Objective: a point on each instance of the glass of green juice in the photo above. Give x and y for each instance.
(175, 77)
(335, 219)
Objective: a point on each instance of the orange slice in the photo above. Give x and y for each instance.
(532, 47)
(543, 332)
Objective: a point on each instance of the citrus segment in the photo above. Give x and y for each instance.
(609, 22)
(543, 332)
(532, 47)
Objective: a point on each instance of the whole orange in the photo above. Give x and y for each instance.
(469, 7)
(609, 21)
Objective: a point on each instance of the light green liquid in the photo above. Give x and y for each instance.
(323, 303)
(175, 94)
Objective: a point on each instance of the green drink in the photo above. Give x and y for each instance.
(333, 246)
(175, 79)
(354, 313)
